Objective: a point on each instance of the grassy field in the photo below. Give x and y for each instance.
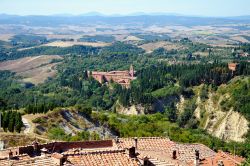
(240, 39)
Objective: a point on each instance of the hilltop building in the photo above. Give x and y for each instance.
(146, 151)
(233, 66)
(123, 78)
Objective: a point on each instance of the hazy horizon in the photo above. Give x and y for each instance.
(205, 8)
(95, 13)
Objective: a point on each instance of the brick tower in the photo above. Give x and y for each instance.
(131, 71)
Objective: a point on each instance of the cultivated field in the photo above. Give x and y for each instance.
(33, 69)
(69, 44)
(132, 38)
(6, 37)
(240, 39)
(150, 47)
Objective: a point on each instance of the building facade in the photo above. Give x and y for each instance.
(123, 78)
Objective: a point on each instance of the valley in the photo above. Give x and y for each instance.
(81, 80)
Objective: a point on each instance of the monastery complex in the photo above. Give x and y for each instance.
(121, 77)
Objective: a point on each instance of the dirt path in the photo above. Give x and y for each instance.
(27, 126)
(30, 126)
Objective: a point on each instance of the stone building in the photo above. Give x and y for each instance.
(123, 78)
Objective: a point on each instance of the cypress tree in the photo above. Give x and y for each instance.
(11, 124)
(6, 118)
(18, 122)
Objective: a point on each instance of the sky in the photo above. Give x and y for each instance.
(76, 7)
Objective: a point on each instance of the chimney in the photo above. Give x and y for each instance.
(136, 142)
(220, 163)
(131, 152)
(44, 152)
(10, 155)
(146, 161)
(35, 147)
(57, 158)
(174, 155)
(116, 139)
(197, 157)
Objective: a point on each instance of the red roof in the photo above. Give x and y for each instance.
(158, 151)
(226, 158)
(103, 158)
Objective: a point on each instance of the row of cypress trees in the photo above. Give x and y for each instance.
(11, 121)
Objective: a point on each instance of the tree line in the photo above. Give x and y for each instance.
(186, 75)
(11, 54)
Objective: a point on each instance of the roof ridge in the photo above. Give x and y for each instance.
(97, 152)
(146, 138)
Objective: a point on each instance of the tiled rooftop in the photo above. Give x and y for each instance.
(147, 143)
(186, 152)
(28, 161)
(163, 148)
(156, 150)
(226, 158)
(105, 158)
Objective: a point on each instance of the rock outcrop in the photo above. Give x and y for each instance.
(132, 110)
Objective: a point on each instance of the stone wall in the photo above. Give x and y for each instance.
(64, 146)
(56, 147)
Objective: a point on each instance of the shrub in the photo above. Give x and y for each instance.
(57, 133)
(39, 120)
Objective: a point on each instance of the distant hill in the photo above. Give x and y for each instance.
(136, 19)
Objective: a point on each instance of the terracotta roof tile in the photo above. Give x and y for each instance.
(162, 148)
(104, 158)
(226, 158)
(158, 151)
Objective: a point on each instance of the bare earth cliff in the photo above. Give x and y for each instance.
(227, 125)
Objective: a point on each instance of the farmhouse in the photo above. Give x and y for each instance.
(233, 66)
(121, 77)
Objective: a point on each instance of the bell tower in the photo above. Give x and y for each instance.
(131, 71)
